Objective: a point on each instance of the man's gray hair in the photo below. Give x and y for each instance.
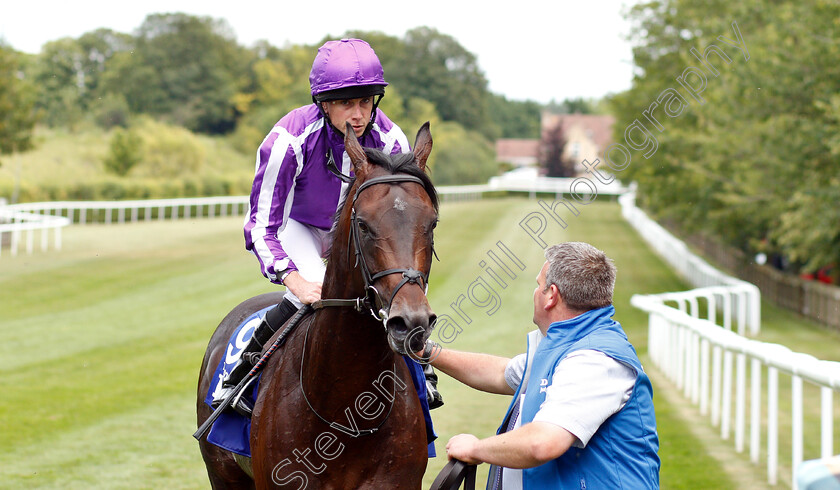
(584, 275)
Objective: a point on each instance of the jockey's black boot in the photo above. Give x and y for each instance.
(432, 394)
(273, 320)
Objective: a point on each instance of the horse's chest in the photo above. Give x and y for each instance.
(349, 449)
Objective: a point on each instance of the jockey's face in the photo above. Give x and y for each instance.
(355, 111)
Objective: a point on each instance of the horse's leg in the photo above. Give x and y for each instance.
(222, 469)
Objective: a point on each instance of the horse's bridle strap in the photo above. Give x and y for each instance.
(357, 303)
(386, 179)
(374, 300)
(331, 166)
(412, 276)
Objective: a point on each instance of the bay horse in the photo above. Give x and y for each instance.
(337, 407)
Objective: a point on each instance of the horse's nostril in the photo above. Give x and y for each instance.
(397, 326)
(401, 326)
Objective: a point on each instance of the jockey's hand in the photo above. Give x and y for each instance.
(307, 292)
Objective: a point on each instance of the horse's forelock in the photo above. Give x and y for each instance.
(399, 163)
(403, 163)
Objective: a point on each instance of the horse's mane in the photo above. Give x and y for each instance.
(402, 163)
(399, 163)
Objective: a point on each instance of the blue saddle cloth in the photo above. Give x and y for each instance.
(232, 431)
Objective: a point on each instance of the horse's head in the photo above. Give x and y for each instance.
(394, 213)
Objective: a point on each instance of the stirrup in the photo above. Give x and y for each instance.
(243, 366)
(433, 396)
(240, 404)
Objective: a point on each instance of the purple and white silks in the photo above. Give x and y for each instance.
(292, 180)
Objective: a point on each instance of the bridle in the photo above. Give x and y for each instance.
(373, 300)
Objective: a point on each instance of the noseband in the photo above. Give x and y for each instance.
(373, 300)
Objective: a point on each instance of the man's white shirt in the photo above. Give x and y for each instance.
(586, 389)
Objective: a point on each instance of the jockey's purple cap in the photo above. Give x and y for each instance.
(346, 69)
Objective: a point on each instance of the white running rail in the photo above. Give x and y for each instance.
(25, 220)
(698, 354)
(22, 221)
(15, 224)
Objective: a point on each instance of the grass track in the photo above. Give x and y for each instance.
(102, 341)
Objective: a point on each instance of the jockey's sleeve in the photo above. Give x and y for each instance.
(391, 137)
(271, 202)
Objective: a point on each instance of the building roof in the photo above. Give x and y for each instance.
(599, 128)
(517, 148)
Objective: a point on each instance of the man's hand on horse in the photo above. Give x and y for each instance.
(306, 291)
(462, 447)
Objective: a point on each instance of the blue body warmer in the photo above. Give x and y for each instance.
(623, 452)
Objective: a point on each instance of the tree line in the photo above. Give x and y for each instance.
(732, 124)
(190, 71)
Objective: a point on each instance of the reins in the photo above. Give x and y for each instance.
(455, 472)
(372, 300)
(336, 425)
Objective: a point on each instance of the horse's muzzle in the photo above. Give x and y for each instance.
(408, 331)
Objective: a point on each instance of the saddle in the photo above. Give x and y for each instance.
(231, 430)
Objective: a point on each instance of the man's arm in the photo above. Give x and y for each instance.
(525, 447)
(480, 371)
(597, 387)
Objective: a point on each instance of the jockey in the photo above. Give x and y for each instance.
(302, 172)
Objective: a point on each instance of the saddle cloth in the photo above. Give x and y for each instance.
(232, 431)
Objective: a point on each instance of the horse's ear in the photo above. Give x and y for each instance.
(355, 151)
(423, 145)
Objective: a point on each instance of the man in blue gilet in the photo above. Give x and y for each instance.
(582, 410)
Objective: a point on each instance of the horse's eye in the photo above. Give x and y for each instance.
(363, 227)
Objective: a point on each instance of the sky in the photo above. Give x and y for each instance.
(527, 49)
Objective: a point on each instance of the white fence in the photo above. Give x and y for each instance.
(14, 224)
(740, 301)
(23, 221)
(697, 354)
(26, 220)
(530, 183)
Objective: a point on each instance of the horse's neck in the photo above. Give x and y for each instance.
(345, 354)
(344, 340)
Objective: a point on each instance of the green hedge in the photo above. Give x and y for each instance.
(116, 189)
